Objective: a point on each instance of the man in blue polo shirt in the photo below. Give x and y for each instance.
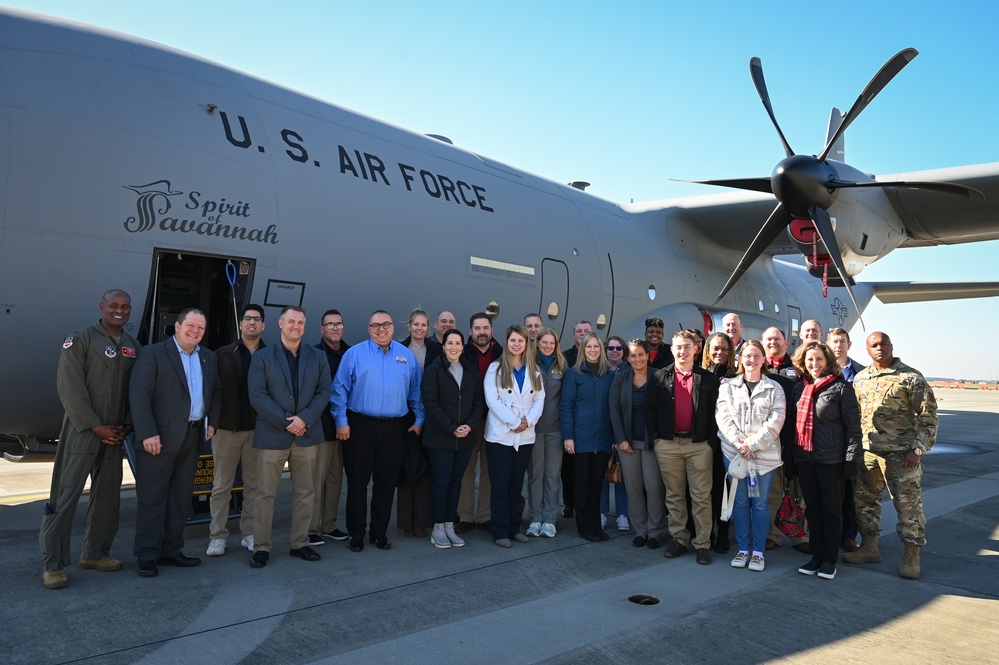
(376, 386)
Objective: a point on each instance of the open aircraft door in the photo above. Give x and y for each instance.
(554, 294)
(220, 287)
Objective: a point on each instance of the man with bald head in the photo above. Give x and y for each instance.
(92, 380)
(898, 417)
(811, 331)
(732, 326)
(444, 322)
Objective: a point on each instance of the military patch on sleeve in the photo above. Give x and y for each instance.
(68, 342)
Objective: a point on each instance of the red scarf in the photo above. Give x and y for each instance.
(806, 410)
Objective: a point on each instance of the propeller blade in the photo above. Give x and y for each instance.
(756, 71)
(941, 187)
(751, 184)
(876, 85)
(824, 226)
(777, 222)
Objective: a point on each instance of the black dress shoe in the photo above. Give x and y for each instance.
(639, 541)
(568, 512)
(653, 544)
(382, 543)
(259, 559)
(147, 569)
(180, 560)
(603, 535)
(355, 544)
(703, 556)
(593, 538)
(305, 553)
(485, 526)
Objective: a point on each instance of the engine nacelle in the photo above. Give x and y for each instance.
(863, 238)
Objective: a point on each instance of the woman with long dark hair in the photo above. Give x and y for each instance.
(454, 402)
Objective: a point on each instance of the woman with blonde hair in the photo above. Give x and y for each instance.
(546, 458)
(515, 396)
(586, 431)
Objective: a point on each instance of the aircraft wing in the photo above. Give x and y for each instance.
(937, 219)
(731, 219)
(895, 292)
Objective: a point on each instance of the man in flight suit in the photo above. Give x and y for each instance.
(92, 381)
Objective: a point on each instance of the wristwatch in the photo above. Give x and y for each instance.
(918, 451)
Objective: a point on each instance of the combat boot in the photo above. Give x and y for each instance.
(910, 562)
(867, 553)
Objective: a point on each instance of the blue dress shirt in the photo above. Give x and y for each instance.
(195, 386)
(373, 382)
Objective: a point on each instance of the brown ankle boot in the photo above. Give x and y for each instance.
(910, 562)
(867, 553)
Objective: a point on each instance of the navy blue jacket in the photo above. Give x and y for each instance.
(585, 410)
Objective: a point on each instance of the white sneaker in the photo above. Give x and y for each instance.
(247, 542)
(548, 530)
(216, 547)
(603, 521)
(740, 560)
(622, 523)
(757, 563)
(534, 529)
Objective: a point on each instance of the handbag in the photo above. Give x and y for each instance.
(613, 473)
(790, 516)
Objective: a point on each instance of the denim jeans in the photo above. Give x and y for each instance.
(751, 512)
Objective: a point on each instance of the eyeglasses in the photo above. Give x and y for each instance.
(380, 326)
(333, 326)
(253, 319)
(615, 348)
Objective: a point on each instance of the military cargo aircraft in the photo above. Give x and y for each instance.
(131, 165)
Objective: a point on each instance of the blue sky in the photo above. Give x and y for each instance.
(628, 96)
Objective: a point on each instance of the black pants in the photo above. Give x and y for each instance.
(164, 486)
(507, 468)
(849, 511)
(374, 452)
(568, 474)
(822, 489)
(589, 470)
(448, 468)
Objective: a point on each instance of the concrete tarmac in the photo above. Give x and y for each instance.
(561, 600)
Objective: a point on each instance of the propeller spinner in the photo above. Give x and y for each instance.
(805, 186)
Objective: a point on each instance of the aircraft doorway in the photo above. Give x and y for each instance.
(184, 279)
(554, 294)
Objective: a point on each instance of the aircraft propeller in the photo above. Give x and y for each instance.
(805, 185)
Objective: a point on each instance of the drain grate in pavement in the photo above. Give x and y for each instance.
(643, 599)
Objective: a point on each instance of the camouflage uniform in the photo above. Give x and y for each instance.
(898, 413)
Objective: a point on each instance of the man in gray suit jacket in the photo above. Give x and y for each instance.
(175, 397)
(289, 386)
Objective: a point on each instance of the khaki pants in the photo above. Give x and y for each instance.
(328, 482)
(228, 449)
(301, 460)
(684, 464)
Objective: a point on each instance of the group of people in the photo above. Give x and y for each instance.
(453, 426)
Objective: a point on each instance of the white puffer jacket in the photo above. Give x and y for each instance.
(757, 419)
(507, 406)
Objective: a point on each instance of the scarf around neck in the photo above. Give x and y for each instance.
(806, 410)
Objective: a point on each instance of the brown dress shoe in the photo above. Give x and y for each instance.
(804, 548)
(850, 545)
(771, 543)
(463, 527)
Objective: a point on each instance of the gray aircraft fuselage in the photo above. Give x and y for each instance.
(134, 166)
